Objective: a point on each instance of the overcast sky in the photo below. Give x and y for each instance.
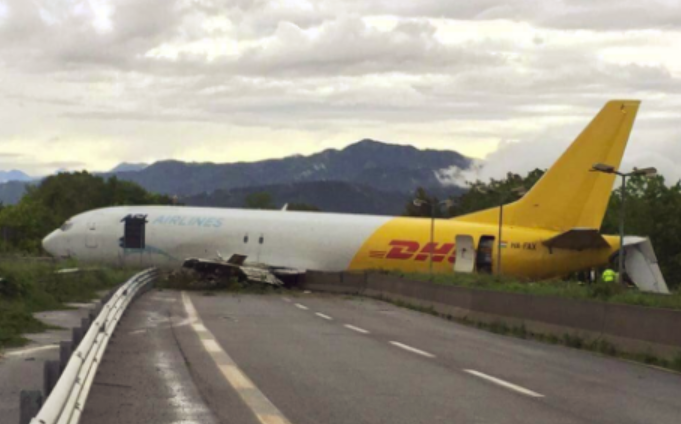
(91, 83)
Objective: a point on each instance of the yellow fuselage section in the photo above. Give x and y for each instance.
(404, 244)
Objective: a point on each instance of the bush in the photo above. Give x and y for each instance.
(30, 287)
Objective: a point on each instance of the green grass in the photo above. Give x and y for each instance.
(27, 288)
(604, 292)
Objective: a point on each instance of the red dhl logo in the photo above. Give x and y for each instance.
(407, 249)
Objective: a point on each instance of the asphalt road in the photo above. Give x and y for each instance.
(332, 359)
(22, 368)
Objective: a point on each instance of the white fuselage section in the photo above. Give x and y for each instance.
(301, 240)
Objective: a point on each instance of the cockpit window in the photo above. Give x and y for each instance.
(66, 226)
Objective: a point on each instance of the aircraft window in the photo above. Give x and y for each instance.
(66, 226)
(134, 232)
(245, 239)
(261, 240)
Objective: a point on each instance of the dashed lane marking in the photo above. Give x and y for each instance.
(505, 384)
(412, 349)
(357, 329)
(321, 315)
(299, 306)
(285, 299)
(263, 409)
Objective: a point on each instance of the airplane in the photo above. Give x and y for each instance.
(552, 231)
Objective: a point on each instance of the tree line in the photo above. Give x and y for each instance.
(652, 209)
(48, 205)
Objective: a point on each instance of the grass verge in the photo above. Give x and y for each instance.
(599, 345)
(26, 288)
(603, 292)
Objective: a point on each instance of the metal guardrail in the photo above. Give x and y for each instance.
(66, 400)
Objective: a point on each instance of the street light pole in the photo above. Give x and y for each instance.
(501, 221)
(432, 231)
(620, 265)
(609, 169)
(419, 203)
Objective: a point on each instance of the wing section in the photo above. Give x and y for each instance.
(578, 239)
(236, 266)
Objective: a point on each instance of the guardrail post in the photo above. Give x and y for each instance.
(30, 402)
(85, 324)
(50, 376)
(65, 350)
(77, 336)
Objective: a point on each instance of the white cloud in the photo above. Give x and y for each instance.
(512, 81)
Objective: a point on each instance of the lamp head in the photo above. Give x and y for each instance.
(602, 167)
(646, 172)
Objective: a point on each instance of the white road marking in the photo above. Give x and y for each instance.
(504, 383)
(357, 329)
(299, 306)
(285, 299)
(30, 350)
(413, 349)
(198, 327)
(319, 314)
(263, 409)
(211, 346)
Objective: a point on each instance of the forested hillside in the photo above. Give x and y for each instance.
(47, 205)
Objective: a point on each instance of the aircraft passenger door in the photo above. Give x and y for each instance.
(133, 242)
(465, 254)
(485, 258)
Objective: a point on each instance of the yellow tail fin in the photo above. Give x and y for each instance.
(569, 195)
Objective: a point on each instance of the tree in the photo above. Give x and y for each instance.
(482, 195)
(59, 197)
(651, 210)
(425, 208)
(303, 207)
(259, 200)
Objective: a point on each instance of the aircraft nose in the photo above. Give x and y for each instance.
(50, 243)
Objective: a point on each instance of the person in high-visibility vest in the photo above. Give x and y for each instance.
(609, 276)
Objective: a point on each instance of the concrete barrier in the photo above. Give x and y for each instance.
(633, 329)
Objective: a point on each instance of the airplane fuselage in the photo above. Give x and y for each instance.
(313, 241)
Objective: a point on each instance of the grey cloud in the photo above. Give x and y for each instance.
(71, 40)
(567, 14)
(348, 74)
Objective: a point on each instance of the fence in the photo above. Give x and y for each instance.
(67, 382)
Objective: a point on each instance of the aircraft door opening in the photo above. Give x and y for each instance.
(465, 254)
(484, 258)
(134, 232)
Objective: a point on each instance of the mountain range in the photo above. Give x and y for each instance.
(14, 175)
(383, 166)
(365, 177)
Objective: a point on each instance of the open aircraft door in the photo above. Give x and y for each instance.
(133, 242)
(465, 254)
